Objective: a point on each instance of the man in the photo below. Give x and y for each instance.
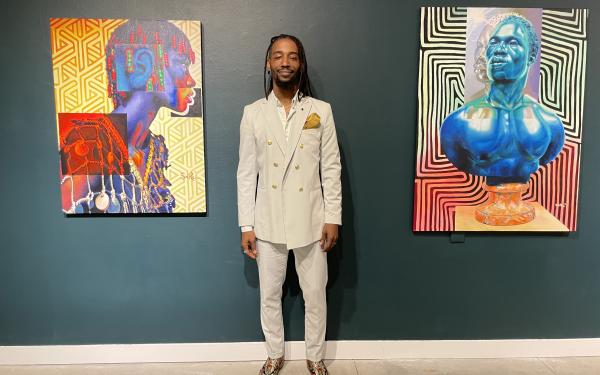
(504, 135)
(112, 166)
(288, 141)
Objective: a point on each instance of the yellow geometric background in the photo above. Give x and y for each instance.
(81, 86)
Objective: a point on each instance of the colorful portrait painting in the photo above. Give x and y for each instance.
(501, 94)
(129, 112)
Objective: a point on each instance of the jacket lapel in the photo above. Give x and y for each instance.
(302, 112)
(274, 124)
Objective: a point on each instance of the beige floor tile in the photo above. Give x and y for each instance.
(516, 366)
(398, 367)
(209, 368)
(341, 367)
(375, 367)
(454, 367)
(574, 365)
(529, 366)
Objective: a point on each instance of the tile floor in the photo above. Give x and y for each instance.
(522, 366)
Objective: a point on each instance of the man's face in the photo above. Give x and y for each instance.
(508, 53)
(179, 92)
(284, 62)
(480, 66)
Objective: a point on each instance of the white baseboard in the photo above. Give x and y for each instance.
(255, 351)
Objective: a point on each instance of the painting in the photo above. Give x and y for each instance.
(129, 115)
(499, 133)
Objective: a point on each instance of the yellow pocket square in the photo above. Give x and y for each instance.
(313, 121)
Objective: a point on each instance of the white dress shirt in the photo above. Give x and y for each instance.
(285, 118)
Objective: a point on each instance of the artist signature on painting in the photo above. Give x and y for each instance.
(190, 175)
(560, 205)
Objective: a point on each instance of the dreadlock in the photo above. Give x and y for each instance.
(304, 88)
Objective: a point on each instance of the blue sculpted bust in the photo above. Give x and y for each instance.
(505, 135)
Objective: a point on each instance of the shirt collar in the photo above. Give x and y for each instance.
(274, 99)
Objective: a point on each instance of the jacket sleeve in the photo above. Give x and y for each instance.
(331, 171)
(247, 172)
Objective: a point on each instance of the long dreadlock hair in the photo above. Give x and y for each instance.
(304, 88)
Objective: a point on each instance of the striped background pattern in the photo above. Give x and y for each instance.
(439, 186)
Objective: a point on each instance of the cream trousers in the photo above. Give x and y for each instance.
(311, 266)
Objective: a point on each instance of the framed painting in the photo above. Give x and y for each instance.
(501, 93)
(129, 115)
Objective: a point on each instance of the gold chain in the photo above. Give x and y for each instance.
(149, 162)
(144, 189)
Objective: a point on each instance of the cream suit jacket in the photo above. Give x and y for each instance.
(288, 189)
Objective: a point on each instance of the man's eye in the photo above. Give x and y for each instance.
(513, 43)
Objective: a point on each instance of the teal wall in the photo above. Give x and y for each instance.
(183, 279)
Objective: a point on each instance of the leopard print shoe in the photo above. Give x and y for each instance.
(316, 368)
(271, 366)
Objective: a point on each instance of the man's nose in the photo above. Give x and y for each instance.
(501, 49)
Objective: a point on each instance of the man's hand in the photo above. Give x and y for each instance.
(249, 244)
(329, 237)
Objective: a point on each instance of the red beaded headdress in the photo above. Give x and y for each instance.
(148, 34)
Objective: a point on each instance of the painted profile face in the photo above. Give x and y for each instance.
(508, 53)
(163, 78)
(480, 65)
(178, 92)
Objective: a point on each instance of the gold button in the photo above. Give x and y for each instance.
(275, 165)
(301, 190)
(301, 145)
(297, 166)
(269, 142)
(274, 186)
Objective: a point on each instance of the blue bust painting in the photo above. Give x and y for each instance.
(504, 135)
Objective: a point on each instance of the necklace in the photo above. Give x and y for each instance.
(149, 163)
(144, 181)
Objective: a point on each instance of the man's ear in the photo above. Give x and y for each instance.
(143, 61)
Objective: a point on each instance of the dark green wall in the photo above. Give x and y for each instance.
(183, 279)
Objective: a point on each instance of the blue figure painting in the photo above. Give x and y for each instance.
(115, 153)
(505, 135)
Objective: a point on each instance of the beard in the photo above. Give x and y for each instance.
(289, 83)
